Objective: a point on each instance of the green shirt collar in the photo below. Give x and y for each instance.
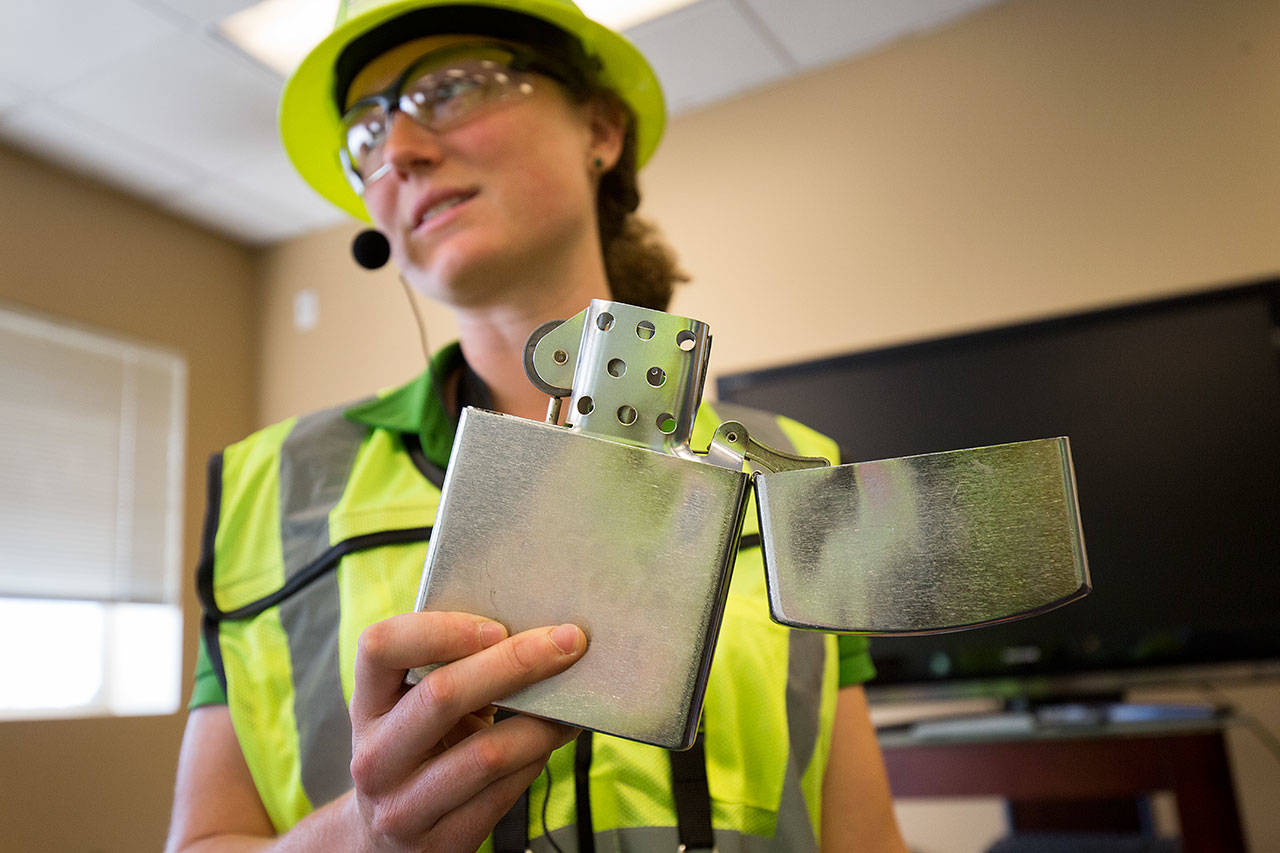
(417, 407)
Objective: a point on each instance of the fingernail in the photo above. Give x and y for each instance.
(566, 638)
(491, 632)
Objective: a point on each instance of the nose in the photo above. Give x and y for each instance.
(409, 146)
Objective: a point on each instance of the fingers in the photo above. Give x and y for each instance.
(411, 731)
(471, 785)
(497, 672)
(388, 648)
(466, 727)
(463, 828)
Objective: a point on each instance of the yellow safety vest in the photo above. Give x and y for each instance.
(318, 527)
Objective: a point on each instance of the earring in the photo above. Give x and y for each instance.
(598, 163)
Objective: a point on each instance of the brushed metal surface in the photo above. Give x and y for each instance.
(540, 525)
(636, 374)
(924, 544)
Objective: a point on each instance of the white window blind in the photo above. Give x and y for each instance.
(91, 448)
(91, 462)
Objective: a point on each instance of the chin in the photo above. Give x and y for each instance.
(469, 270)
(456, 284)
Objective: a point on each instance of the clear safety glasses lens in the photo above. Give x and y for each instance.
(365, 129)
(439, 93)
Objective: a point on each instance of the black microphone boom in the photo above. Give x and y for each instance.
(371, 249)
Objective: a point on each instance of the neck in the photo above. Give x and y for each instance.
(493, 334)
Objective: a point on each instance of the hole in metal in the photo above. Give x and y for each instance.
(585, 405)
(730, 437)
(604, 322)
(685, 340)
(656, 377)
(666, 423)
(626, 415)
(616, 367)
(559, 356)
(645, 330)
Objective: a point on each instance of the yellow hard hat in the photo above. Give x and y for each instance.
(310, 117)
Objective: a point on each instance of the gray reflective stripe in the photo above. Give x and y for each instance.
(805, 666)
(315, 464)
(806, 661)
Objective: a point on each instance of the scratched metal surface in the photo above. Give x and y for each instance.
(540, 526)
(924, 544)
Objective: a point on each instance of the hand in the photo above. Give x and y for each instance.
(431, 769)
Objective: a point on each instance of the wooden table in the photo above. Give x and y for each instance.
(1053, 771)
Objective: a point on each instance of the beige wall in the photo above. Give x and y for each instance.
(1038, 158)
(365, 337)
(73, 251)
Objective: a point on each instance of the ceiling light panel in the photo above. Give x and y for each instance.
(279, 33)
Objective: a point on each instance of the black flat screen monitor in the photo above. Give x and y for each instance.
(1173, 412)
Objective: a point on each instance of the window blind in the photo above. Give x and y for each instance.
(91, 457)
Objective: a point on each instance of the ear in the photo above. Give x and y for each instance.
(607, 122)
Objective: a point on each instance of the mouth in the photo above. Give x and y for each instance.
(437, 204)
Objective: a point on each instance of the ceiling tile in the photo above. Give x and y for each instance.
(249, 217)
(272, 175)
(45, 44)
(205, 12)
(816, 32)
(81, 146)
(188, 95)
(706, 52)
(11, 96)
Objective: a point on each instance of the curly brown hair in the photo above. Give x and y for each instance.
(640, 266)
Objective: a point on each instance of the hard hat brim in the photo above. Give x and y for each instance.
(310, 123)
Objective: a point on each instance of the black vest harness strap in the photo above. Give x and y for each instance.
(692, 794)
(689, 788)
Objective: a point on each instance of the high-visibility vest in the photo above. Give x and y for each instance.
(318, 527)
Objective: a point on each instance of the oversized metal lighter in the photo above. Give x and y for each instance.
(615, 523)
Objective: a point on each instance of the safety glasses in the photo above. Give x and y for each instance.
(441, 90)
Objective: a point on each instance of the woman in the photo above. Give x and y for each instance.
(494, 144)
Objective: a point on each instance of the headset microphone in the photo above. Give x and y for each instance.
(371, 249)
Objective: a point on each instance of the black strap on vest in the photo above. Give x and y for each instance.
(689, 789)
(582, 791)
(511, 834)
(204, 570)
(693, 796)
